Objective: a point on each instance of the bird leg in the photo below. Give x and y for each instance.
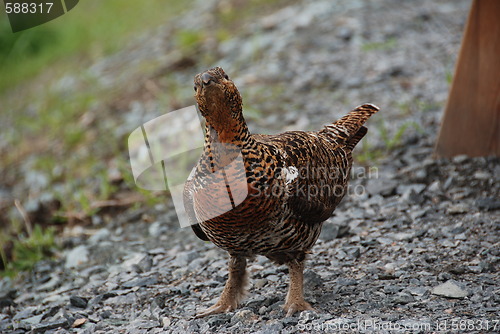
(234, 290)
(295, 297)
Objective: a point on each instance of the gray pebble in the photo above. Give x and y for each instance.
(450, 289)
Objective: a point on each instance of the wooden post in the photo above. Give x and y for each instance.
(471, 123)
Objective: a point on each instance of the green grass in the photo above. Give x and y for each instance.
(385, 45)
(187, 40)
(92, 29)
(391, 139)
(28, 250)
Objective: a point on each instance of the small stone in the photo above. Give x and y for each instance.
(25, 313)
(340, 254)
(485, 267)
(417, 291)
(384, 241)
(343, 231)
(434, 187)
(481, 175)
(329, 232)
(42, 328)
(312, 279)
(457, 209)
(488, 203)
(289, 322)
(144, 324)
(6, 301)
(460, 159)
(449, 181)
(458, 229)
(384, 187)
(273, 278)
(51, 312)
(448, 243)
(344, 33)
(353, 82)
(165, 322)
(392, 289)
(77, 256)
(156, 229)
(414, 215)
(139, 282)
(386, 276)
(159, 301)
(219, 319)
(263, 301)
(95, 300)
(456, 269)
(184, 258)
(402, 298)
(35, 320)
(79, 322)
(101, 235)
(353, 252)
(401, 236)
(244, 316)
(106, 314)
(406, 189)
(444, 277)
(450, 289)
(78, 301)
(346, 281)
(144, 265)
(413, 197)
(260, 283)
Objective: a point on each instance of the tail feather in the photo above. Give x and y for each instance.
(349, 129)
(354, 140)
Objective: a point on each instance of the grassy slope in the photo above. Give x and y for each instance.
(92, 29)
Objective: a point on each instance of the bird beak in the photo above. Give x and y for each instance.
(206, 78)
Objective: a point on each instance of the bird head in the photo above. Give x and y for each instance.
(217, 96)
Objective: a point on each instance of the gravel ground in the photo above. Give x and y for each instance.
(414, 246)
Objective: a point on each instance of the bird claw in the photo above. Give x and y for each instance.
(215, 309)
(297, 306)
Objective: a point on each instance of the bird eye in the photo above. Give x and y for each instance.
(195, 89)
(226, 76)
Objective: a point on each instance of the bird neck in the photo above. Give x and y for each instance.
(230, 129)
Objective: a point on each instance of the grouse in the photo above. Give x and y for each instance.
(255, 194)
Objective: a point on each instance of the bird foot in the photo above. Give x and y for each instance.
(219, 307)
(294, 306)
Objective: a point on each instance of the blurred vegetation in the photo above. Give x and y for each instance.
(90, 30)
(28, 250)
(392, 137)
(388, 44)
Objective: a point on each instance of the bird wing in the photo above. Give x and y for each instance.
(310, 173)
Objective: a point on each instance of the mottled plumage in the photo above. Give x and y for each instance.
(292, 183)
